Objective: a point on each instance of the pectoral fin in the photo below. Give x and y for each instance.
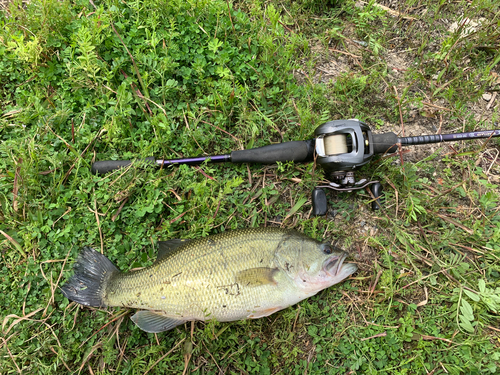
(257, 276)
(152, 322)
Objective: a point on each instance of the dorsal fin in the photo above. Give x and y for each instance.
(167, 247)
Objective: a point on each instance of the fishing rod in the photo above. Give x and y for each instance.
(339, 147)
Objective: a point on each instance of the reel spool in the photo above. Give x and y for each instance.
(335, 144)
(343, 145)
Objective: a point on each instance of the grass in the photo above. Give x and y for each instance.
(120, 80)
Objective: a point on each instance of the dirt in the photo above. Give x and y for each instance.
(432, 118)
(335, 59)
(4, 4)
(399, 57)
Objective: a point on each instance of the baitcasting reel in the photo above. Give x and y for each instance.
(342, 146)
(339, 148)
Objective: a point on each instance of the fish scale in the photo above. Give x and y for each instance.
(198, 280)
(246, 273)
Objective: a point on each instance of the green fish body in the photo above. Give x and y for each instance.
(246, 273)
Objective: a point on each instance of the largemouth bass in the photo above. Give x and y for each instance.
(240, 274)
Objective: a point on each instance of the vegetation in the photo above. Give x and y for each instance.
(84, 81)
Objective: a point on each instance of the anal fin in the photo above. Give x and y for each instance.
(266, 312)
(153, 322)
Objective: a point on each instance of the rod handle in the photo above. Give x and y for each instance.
(105, 166)
(421, 139)
(299, 151)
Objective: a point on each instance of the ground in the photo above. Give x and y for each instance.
(86, 81)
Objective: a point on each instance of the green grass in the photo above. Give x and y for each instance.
(173, 78)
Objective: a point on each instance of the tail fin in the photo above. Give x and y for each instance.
(88, 284)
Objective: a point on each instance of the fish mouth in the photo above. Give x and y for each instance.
(334, 264)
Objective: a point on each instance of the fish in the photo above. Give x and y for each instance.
(241, 274)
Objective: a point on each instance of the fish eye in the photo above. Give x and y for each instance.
(327, 249)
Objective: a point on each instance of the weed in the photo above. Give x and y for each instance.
(114, 80)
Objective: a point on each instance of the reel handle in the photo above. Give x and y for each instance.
(319, 202)
(377, 191)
